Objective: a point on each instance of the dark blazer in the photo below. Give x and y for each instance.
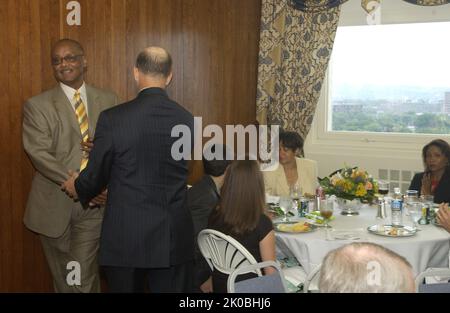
(202, 198)
(147, 223)
(442, 192)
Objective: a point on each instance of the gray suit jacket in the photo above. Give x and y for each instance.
(51, 137)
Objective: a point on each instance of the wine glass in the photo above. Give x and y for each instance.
(295, 193)
(326, 211)
(285, 206)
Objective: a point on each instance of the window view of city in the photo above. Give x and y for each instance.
(391, 78)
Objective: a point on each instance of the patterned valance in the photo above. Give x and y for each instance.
(321, 5)
(428, 2)
(315, 5)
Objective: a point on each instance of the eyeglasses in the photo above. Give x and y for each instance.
(67, 58)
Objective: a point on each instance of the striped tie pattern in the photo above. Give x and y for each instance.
(80, 111)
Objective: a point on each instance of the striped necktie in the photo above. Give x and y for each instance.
(80, 111)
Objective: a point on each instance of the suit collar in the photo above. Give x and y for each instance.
(153, 91)
(93, 108)
(63, 105)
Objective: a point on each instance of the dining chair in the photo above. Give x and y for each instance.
(273, 283)
(423, 287)
(223, 252)
(312, 280)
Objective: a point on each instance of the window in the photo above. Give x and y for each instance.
(391, 78)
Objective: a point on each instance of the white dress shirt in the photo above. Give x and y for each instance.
(70, 93)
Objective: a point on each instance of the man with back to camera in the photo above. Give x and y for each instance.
(51, 136)
(147, 232)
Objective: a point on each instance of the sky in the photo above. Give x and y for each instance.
(396, 54)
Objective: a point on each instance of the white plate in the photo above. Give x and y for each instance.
(286, 227)
(392, 231)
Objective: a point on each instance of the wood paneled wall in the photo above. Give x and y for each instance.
(214, 44)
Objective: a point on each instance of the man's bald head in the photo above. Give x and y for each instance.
(154, 61)
(75, 45)
(365, 267)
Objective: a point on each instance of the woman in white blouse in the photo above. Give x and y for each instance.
(291, 170)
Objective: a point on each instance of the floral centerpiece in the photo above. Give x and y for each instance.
(350, 183)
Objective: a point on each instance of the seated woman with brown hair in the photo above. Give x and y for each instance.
(240, 214)
(435, 180)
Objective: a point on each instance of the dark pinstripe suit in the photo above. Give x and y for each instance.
(147, 223)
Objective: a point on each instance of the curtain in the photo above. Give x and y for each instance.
(428, 2)
(295, 48)
(315, 5)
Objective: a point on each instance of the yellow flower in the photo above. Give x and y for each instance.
(360, 191)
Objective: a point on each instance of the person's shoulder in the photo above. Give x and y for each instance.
(182, 110)
(265, 220)
(418, 175)
(271, 170)
(45, 96)
(101, 92)
(202, 189)
(305, 161)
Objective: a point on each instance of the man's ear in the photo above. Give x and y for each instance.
(169, 79)
(136, 74)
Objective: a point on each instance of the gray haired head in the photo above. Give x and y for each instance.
(365, 267)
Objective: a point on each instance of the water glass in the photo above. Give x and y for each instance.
(415, 212)
(412, 196)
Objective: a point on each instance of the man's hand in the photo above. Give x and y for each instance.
(100, 199)
(86, 147)
(443, 216)
(69, 185)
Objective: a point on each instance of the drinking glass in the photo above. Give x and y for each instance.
(415, 212)
(295, 193)
(285, 206)
(326, 211)
(411, 196)
(427, 199)
(383, 187)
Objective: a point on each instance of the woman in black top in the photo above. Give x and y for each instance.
(435, 180)
(240, 214)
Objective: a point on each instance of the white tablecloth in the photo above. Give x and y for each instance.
(430, 247)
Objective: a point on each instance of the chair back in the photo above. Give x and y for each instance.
(273, 283)
(223, 252)
(312, 280)
(443, 287)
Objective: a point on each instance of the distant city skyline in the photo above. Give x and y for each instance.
(396, 55)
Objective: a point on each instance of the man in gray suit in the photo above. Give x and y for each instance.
(54, 124)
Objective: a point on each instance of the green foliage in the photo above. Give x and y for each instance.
(408, 122)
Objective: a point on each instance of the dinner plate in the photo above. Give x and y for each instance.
(392, 231)
(294, 227)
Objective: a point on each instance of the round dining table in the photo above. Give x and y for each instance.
(428, 247)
